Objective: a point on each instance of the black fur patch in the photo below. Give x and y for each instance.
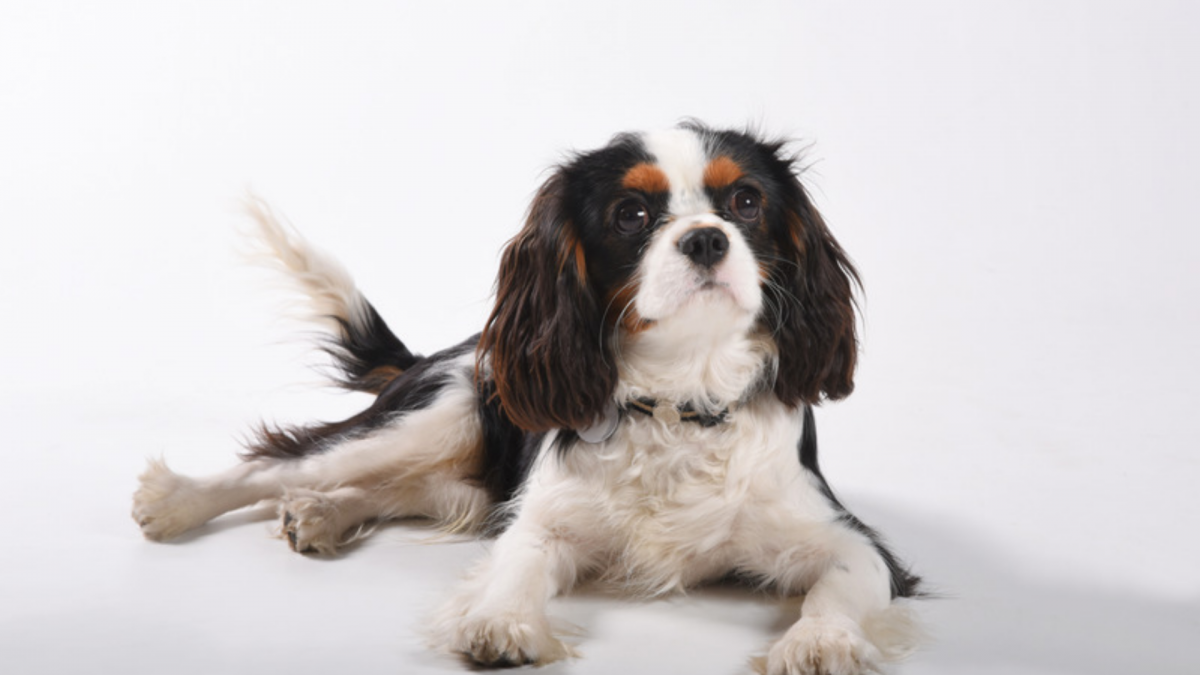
(508, 451)
(413, 390)
(905, 584)
(368, 356)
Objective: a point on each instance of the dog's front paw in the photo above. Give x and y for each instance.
(501, 640)
(166, 504)
(822, 646)
(311, 522)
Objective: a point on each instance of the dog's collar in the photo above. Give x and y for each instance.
(609, 419)
(670, 414)
(606, 423)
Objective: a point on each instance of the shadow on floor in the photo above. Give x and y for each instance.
(990, 617)
(987, 616)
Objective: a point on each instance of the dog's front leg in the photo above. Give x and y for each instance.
(851, 588)
(499, 617)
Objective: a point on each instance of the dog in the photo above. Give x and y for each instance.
(638, 409)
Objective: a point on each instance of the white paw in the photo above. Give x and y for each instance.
(166, 504)
(311, 522)
(506, 640)
(822, 646)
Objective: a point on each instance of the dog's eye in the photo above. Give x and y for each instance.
(746, 204)
(632, 217)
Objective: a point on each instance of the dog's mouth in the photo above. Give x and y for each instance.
(710, 289)
(706, 291)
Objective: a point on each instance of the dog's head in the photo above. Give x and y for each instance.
(676, 237)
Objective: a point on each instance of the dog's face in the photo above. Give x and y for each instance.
(682, 236)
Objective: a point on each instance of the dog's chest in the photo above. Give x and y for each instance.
(679, 500)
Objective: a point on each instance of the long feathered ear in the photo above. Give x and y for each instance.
(817, 342)
(543, 343)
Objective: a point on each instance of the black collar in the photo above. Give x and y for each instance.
(668, 413)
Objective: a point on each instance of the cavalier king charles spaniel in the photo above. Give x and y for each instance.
(637, 410)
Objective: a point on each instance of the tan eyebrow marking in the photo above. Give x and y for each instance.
(721, 172)
(646, 178)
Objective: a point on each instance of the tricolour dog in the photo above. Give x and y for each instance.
(637, 409)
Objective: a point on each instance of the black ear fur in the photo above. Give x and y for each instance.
(816, 335)
(543, 342)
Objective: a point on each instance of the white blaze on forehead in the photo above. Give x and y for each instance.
(680, 155)
(669, 278)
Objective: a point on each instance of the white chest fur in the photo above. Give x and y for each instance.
(660, 507)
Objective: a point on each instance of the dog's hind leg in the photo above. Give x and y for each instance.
(322, 521)
(423, 464)
(415, 452)
(167, 504)
(315, 521)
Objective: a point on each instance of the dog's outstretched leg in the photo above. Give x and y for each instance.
(498, 618)
(849, 624)
(168, 504)
(414, 453)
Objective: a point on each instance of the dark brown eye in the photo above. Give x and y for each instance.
(746, 204)
(632, 217)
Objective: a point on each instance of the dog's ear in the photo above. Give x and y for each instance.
(814, 290)
(543, 343)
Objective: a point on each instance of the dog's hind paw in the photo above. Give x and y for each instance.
(314, 522)
(166, 504)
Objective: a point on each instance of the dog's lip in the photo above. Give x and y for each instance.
(702, 289)
(712, 288)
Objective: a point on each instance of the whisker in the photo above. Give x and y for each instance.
(783, 294)
(604, 316)
(621, 317)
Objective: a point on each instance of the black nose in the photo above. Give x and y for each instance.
(705, 246)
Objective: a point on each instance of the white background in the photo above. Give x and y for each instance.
(1015, 180)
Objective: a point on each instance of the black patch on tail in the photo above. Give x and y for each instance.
(413, 390)
(905, 584)
(370, 356)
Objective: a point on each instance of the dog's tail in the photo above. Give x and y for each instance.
(365, 351)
